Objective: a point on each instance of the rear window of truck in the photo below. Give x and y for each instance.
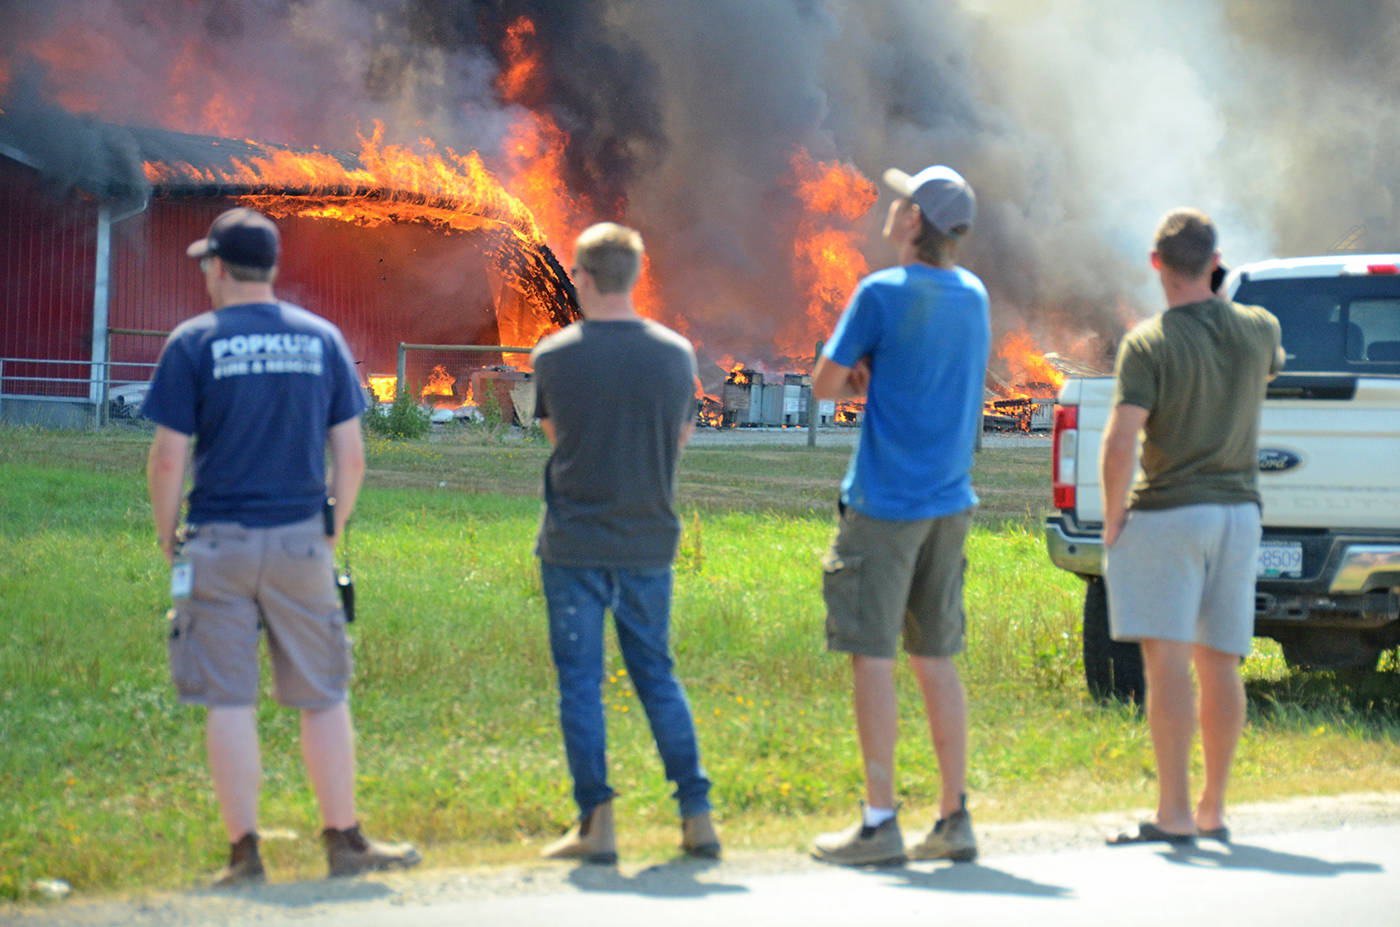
(1334, 324)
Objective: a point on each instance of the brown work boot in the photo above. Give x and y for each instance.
(859, 845)
(349, 852)
(698, 836)
(244, 864)
(591, 839)
(951, 838)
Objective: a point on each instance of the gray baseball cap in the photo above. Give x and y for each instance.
(942, 195)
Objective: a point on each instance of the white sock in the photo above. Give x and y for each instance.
(874, 817)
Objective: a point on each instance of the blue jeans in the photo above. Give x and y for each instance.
(640, 601)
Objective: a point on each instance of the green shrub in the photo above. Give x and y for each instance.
(405, 419)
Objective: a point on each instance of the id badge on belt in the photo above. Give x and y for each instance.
(181, 579)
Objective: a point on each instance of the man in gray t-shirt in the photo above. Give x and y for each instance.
(615, 395)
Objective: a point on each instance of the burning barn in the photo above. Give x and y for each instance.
(749, 399)
(392, 246)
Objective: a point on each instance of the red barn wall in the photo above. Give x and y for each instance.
(381, 285)
(48, 252)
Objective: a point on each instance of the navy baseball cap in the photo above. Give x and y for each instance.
(240, 236)
(943, 196)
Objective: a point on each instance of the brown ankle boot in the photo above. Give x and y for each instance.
(244, 864)
(349, 852)
(698, 836)
(591, 839)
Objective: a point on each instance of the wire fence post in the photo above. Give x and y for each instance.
(814, 406)
(402, 372)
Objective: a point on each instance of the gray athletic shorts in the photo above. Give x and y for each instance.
(281, 579)
(1185, 574)
(881, 578)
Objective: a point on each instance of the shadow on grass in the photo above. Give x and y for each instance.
(672, 879)
(1366, 696)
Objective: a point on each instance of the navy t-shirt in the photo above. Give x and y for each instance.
(258, 386)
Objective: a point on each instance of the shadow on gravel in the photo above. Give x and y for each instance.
(674, 879)
(1243, 856)
(973, 878)
(304, 894)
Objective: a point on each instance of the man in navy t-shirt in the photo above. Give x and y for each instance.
(263, 388)
(913, 341)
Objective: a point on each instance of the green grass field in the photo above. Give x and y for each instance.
(102, 776)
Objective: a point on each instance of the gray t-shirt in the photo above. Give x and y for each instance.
(618, 395)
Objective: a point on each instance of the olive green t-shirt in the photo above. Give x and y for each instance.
(1201, 370)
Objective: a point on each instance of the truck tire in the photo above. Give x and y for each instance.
(1329, 649)
(1112, 670)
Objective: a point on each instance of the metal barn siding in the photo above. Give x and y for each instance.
(47, 261)
(380, 285)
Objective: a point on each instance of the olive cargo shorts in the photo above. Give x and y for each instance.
(881, 578)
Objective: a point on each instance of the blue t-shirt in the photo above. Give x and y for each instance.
(927, 332)
(258, 386)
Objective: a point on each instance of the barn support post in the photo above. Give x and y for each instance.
(99, 376)
(402, 372)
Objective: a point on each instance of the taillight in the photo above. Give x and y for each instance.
(1062, 456)
(1358, 269)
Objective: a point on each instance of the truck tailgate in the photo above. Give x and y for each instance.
(1326, 462)
(1330, 462)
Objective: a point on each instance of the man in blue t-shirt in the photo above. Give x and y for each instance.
(913, 342)
(263, 388)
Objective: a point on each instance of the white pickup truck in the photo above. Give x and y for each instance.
(1328, 582)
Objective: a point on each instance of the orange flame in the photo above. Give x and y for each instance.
(534, 145)
(827, 262)
(1031, 383)
(521, 80)
(383, 387)
(1028, 368)
(848, 411)
(439, 384)
(534, 150)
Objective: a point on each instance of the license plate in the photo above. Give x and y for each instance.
(1280, 559)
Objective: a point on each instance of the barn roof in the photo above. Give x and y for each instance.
(107, 160)
(118, 163)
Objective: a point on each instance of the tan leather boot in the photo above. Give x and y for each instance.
(698, 836)
(591, 839)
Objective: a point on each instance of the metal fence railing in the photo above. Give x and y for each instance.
(401, 374)
(106, 392)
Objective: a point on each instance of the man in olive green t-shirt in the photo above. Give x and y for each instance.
(1182, 540)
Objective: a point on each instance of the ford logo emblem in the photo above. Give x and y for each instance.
(1276, 460)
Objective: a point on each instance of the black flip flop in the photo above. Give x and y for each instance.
(1148, 832)
(1221, 833)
